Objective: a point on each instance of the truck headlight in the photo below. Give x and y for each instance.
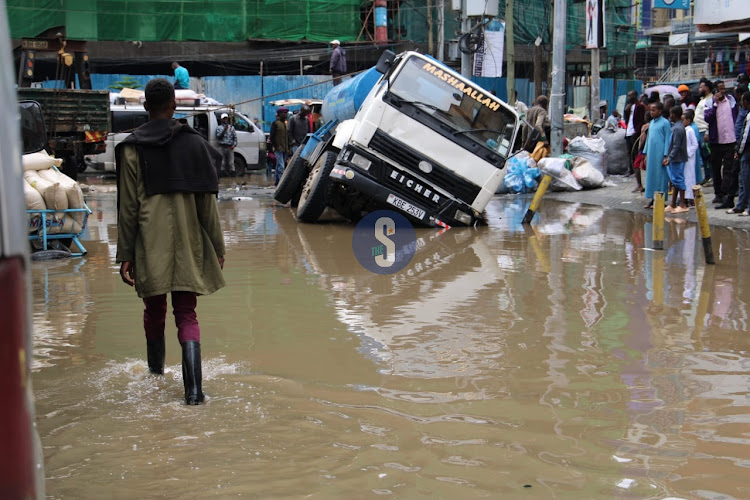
(361, 162)
(463, 217)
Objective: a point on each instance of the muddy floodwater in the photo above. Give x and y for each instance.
(565, 361)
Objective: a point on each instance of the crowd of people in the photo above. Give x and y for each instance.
(700, 139)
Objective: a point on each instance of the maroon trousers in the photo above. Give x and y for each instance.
(183, 305)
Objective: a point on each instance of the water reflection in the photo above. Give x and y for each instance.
(566, 356)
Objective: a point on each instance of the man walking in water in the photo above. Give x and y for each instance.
(169, 239)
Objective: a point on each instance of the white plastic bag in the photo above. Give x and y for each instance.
(586, 174)
(593, 149)
(562, 178)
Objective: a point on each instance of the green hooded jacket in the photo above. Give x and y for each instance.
(173, 239)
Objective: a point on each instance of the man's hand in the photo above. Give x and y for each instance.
(127, 273)
(221, 262)
(665, 162)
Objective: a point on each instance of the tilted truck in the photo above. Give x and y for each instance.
(410, 135)
(77, 123)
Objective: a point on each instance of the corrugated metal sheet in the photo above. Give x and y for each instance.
(607, 93)
(104, 81)
(524, 87)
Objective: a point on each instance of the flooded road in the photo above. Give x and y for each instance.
(562, 362)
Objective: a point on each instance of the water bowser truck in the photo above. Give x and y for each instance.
(409, 135)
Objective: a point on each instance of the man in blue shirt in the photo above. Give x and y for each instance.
(181, 76)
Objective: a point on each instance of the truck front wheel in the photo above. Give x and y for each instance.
(291, 180)
(317, 189)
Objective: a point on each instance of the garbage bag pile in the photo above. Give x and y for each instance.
(593, 149)
(616, 156)
(522, 174)
(562, 178)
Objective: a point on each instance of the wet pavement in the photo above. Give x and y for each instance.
(565, 360)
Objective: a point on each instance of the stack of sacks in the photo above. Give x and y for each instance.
(48, 188)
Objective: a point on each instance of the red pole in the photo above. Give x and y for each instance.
(381, 21)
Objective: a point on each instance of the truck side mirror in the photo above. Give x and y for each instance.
(385, 62)
(33, 133)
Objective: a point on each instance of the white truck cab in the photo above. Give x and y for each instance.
(420, 139)
(250, 153)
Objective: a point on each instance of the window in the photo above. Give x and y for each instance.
(241, 125)
(128, 121)
(200, 122)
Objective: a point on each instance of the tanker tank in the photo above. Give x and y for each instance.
(343, 101)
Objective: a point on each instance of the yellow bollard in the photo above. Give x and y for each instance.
(700, 208)
(539, 252)
(657, 279)
(537, 199)
(658, 222)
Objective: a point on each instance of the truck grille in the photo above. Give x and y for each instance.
(409, 159)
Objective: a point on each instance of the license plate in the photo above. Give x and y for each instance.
(406, 207)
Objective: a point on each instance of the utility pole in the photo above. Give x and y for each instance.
(557, 101)
(594, 84)
(441, 31)
(510, 51)
(430, 43)
(538, 62)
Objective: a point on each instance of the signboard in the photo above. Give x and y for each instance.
(721, 11)
(596, 35)
(672, 4)
(488, 60)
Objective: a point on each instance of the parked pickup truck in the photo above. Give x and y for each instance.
(409, 135)
(77, 123)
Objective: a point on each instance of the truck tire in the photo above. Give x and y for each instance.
(82, 166)
(317, 189)
(239, 165)
(292, 179)
(70, 167)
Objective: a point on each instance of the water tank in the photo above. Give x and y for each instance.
(343, 101)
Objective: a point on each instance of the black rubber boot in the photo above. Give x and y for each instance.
(191, 372)
(155, 353)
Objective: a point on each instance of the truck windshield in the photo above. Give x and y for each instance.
(465, 108)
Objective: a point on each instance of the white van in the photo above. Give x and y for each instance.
(250, 153)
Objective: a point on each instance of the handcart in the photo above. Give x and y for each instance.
(43, 221)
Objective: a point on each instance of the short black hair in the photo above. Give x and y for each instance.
(708, 83)
(676, 111)
(159, 94)
(746, 96)
(659, 105)
(717, 82)
(690, 114)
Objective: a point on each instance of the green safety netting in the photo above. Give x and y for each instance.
(181, 20)
(532, 18)
(312, 20)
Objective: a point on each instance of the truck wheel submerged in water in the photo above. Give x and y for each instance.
(292, 179)
(317, 189)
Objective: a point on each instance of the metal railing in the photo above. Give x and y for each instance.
(684, 73)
